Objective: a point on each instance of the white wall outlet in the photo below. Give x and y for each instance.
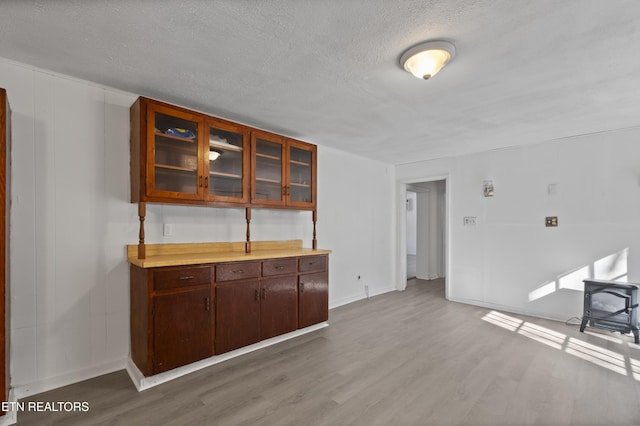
(469, 221)
(167, 229)
(366, 291)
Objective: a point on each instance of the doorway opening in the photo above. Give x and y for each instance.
(422, 245)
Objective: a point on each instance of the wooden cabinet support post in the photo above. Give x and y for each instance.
(315, 240)
(247, 244)
(142, 212)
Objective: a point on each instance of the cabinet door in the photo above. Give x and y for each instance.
(313, 299)
(301, 174)
(237, 315)
(173, 152)
(182, 329)
(279, 308)
(268, 169)
(227, 161)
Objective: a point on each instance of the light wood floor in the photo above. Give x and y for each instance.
(405, 358)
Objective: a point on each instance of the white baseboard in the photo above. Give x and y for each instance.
(355, 298)
(142, 383)
(11, 417)
(511, 309)
(49, 383)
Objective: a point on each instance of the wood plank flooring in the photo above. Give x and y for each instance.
(402, 358)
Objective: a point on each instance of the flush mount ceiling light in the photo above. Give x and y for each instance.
(214, 154)
(426, 59)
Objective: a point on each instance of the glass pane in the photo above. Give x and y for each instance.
(300, 175)
(176, 154)
(225, 163)
(268, 170)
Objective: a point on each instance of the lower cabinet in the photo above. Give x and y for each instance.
(237, 315)
(181, 329)
(183, 314)
(313, 290)
(257, 309)
(278, 306)
(171, 317)
(313, 299)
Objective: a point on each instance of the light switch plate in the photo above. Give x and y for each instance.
(469, 221)
(551, 221)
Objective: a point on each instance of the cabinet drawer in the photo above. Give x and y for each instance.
(312, 263)
(237, 271)
(279, 267)
(167, 278)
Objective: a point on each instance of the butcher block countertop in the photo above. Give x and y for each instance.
(158, 255)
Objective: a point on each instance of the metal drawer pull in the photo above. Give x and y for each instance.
(238, 271)
(207, 304)
(257, 295)
(187, 277)
(279, 268)
(301, 287)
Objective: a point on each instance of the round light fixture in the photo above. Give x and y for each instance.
(426, 59)
(214, 154)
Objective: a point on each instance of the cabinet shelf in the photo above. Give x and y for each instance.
(226, 175)
(270, 157)
(300, 163)
(268, 180)
(301, 185)
(175, 168)
(175, 138)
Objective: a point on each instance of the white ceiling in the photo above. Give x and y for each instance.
(327, 71)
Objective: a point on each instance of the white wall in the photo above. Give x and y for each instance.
(412, 222)
(510, 260)
(356, 220)
(71, 219)
(423, 246)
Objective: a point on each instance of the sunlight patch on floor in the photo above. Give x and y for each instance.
(594, 354)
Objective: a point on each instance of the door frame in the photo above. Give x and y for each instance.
(401, 229)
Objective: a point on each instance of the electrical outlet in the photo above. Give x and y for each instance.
(167, 230)
(551, 221)
(366, 290)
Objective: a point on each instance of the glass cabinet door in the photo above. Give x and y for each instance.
(173, 169)
(301, 166)
(227, 161)
(268, 174)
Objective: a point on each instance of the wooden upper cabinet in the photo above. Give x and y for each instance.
(267, 169)
(182, 156)
(283, 172)
(173, 168)
(301, 174)
(226, 160)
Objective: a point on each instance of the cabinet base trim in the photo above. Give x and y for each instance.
(143, 383)
(11, 417)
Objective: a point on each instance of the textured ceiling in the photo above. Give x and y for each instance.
(327, 71)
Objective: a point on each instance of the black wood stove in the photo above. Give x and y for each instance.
(611, 305)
